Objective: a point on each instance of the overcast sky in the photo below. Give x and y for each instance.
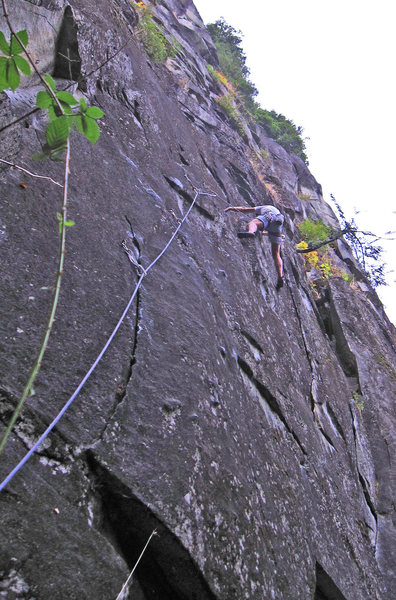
(330, 68)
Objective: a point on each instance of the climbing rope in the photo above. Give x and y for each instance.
(143, 273)
(125, 586)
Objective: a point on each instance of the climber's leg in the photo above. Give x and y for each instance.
(275, 249)
(253, 227)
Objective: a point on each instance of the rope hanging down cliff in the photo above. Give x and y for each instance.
(143, 273)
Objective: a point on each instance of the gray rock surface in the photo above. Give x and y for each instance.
(254, 429)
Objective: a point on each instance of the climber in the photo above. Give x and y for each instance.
(269, 220)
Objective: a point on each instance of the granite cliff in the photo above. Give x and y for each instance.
(224, 413)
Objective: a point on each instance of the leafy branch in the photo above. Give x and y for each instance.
(58, 104)
(364, 247)
(18, 43)
(314, 247)
(80, 80)
(363, 243)
(12, 63)
(63, 112)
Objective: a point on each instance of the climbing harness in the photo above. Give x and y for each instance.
(143, 273)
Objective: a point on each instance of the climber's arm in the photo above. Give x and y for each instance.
(240, 208)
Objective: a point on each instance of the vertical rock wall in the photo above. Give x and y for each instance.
(253, 429)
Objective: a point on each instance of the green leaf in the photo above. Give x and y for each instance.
(58, 154)
(94, 112)
(39, 155)
(52, 115)
(83, 105)
(81, 123)
(16, 47)
(66, 98)
(50, 81)
(23, 36)
(12, 75)
(57, 132)
(43, 100)
(54, 112)
(67, 109)
(92, 131)
(88, 127)
(4, 46)
(55, 154)
(22, 65)
(66, 223)
(3, 80)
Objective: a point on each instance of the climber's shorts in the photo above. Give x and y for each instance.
(274, 228)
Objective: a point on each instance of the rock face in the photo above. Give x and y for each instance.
(253, 429)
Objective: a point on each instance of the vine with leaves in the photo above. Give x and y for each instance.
(64, 112)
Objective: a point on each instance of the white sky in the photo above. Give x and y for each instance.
(330, 68)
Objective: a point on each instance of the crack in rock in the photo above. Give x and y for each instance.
(270, 401)
(317, 407)
(362, 479)
(176, 185)
(128, 370)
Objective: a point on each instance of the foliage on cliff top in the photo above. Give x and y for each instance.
(156, 44)
(283, 131)
(232, 61)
